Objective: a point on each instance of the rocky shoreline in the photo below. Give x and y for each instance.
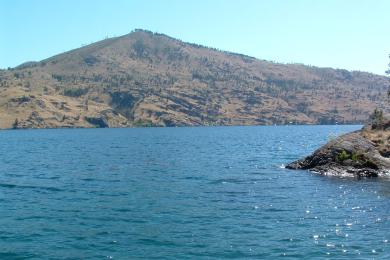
(363, 153)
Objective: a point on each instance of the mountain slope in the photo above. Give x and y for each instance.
(151, 79)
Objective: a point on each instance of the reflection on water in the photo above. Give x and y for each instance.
(211, 192)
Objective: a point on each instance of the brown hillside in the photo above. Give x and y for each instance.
(151, 79)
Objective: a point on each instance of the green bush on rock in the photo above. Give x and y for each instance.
(342, 156)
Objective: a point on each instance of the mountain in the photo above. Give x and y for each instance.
(145, 79)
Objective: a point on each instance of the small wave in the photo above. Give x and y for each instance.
(282, 166)
(155, 242)
(89, 179)
(15, 186)
(385, 174)
(30, 218)
(228, 180)
(13, 255)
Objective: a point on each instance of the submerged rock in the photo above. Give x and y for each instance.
(361, 153)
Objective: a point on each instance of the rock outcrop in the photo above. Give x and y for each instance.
(363, 153)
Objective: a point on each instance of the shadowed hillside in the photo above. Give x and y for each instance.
(143, 79)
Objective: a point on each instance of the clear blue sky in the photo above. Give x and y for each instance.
(350, 34)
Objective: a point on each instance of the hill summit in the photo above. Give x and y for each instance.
(149, 79)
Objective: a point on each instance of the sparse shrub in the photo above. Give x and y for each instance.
(90, 60)
(15, 124)
(122, 99)
(377, 119)
(354, 157)
(58, 77)
(139, 48)
(144, 123)
(75, 92)
(342, 156)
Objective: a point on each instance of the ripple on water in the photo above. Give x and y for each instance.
(16, 186)
(203, 193)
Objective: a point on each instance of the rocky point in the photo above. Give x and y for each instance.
(363, 153)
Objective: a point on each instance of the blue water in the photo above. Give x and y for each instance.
(183, 193)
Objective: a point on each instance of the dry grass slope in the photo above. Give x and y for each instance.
(147, 79)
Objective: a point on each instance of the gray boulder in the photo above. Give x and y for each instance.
(351, 154)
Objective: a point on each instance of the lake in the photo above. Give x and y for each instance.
(183, 193)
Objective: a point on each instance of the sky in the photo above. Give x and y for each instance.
(347, 34)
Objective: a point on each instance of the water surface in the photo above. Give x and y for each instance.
(183, 193)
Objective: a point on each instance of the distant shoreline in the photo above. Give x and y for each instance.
(189, 126)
